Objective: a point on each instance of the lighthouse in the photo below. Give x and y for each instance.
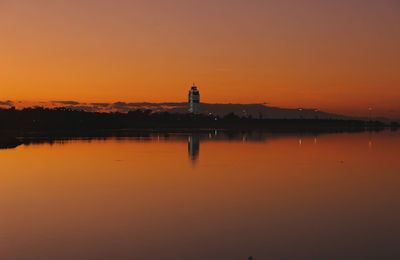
(194, 100)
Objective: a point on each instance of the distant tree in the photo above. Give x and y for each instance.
(231, 117)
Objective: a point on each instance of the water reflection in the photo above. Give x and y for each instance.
(193, 140)
(194, 147)
(254, 193)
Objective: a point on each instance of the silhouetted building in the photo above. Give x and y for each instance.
(194, 100)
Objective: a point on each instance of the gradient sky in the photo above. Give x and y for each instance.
(342, 56)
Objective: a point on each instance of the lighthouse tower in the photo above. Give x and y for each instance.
(194, 100)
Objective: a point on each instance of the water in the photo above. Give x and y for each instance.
(207, 196)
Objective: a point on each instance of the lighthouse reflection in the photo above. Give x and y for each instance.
(194, 147)
(194, 139)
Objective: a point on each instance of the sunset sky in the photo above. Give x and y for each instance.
(341, 56)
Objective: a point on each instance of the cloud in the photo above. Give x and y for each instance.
(7, 103)
(100, 104)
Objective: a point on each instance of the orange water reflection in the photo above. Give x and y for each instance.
(324, 197)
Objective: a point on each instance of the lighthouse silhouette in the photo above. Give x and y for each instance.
(194, 100)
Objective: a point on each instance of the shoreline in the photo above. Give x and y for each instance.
(13, 139)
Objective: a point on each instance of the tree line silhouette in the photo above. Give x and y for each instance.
(65, 120)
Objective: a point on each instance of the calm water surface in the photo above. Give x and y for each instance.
(333, 196)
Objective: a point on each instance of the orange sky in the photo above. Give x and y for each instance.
(341, 56)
